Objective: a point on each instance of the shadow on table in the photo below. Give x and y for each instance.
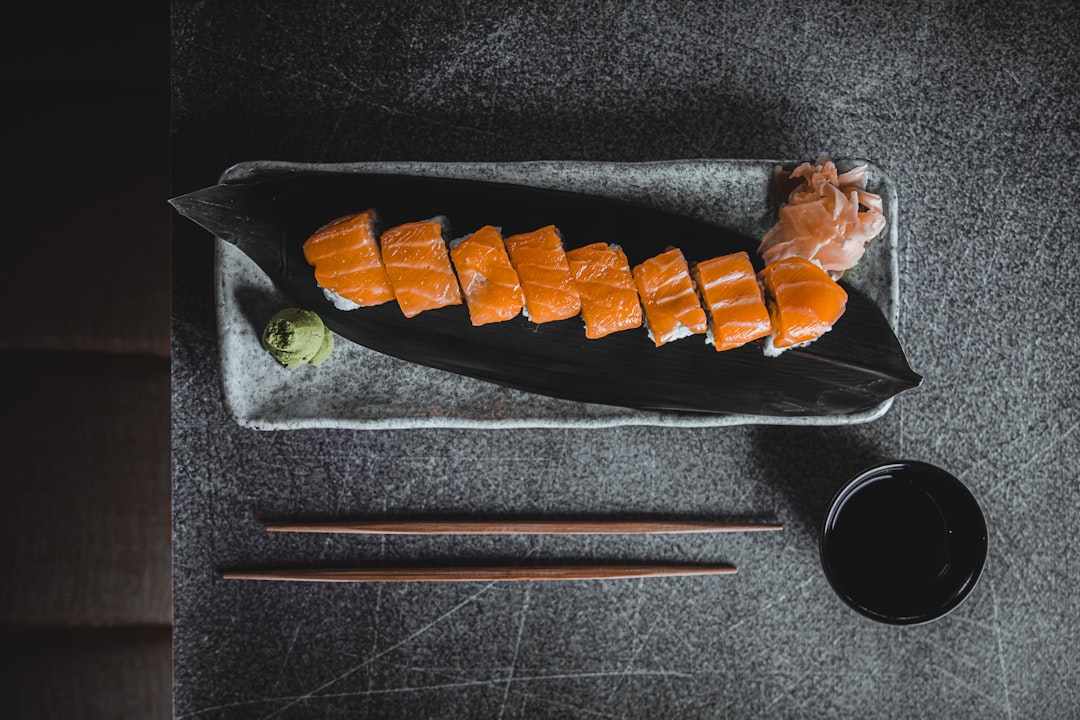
(719, 124)
(809, 465)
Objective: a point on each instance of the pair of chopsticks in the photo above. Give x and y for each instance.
(514, 527)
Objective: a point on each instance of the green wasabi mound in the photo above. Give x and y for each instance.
(294, 337)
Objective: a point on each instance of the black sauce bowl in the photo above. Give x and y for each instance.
(903, 542)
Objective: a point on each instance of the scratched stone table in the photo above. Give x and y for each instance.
(973, 112)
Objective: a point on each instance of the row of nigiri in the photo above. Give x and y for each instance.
(790, 302)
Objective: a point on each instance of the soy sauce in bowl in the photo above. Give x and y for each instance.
(903, 542)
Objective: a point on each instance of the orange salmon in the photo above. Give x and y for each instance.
(729, 289)
(491, 286)
(542, 267)
(418, 266)
(804, 302)
(672, 309)
(609, 300)
(347, 262)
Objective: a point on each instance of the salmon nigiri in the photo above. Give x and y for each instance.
(541, 265)
(347, 263)
(730, 291)
(488, 280)
(672, 308)
(418, 266)
(609, 300)
(804, 303)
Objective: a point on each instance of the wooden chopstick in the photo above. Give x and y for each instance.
(521, 527)
(479, 574)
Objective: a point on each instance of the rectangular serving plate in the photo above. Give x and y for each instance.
(358, 388)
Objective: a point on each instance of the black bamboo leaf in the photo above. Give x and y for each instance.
(855, 367)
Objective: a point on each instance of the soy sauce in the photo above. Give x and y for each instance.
(903, 541)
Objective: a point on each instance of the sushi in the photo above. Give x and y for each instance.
(544, 272)
(488, 280)
(804, 303)
(829, 217)
(347, 263)
(730, 293)
(609, 299)
(672, 309)
(791, 302)
(418, 267)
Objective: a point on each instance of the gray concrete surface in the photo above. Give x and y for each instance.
(972, 108)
